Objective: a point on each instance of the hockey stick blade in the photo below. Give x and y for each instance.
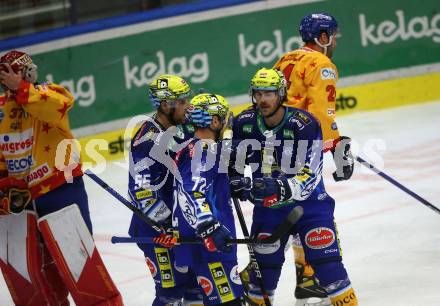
(281, 230)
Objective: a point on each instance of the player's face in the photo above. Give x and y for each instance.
(180, 111)
(332, 47)
(267, 101)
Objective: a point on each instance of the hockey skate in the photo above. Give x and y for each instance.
(307, 291)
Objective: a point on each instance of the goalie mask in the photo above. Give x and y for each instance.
(20, 61)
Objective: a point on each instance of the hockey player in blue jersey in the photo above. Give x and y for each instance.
(150, 188)
(203, 207)
(285, 153)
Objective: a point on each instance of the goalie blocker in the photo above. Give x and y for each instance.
(33, 279)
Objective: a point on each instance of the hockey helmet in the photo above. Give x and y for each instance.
(204, 106)
(313, 25)
(270, 80)
(20, 61)
(169, 88)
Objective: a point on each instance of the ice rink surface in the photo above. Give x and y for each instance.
(391, 242)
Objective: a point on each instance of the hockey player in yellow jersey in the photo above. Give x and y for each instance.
(311, 85)
(44, 211)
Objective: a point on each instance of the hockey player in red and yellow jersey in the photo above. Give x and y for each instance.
(311, 85)
(47, 249)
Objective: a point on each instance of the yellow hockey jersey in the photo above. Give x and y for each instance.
(311, 86)
(33, 121)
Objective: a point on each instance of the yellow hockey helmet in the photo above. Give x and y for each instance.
(270, 80)
(204, 106)
(169, 88)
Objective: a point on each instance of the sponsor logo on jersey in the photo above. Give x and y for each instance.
(266, 248)
(221, 282)
(235, 276)
(38, 173)
(143, 194)
(287, 134)
(328, 74)
(247, 128)
(181, 269)
(17, 142)
(206, 284)
(246, 115)
(19, 164)
(166, 273)
(320, 238)
(330, 111)
(151, 266)
(302, 117)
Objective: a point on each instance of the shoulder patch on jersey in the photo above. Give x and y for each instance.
(302, 117)
(328, 73)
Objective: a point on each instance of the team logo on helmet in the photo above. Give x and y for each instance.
(169, 88)
(269, 79)
(312, 25)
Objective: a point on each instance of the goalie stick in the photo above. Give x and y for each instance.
(253, 260)
(123, 200)
(281, 230)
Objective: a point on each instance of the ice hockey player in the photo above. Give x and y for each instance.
(203, 204)
(311, 85)
(150, 187)
(46, 244)
(286, 158)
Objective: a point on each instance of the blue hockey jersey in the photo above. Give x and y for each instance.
(151, 167)
(201, 191)
(292, 149)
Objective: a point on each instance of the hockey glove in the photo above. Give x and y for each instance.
(14, 196)
(156, 210)
(214, 235)
(268, 191)
(343, 158)
(240, 187)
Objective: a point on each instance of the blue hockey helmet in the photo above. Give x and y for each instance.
(313, 25)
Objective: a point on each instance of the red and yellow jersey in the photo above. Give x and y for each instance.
(311, 86)
(32, 124)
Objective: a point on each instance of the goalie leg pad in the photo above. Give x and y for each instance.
(21, 262)
(72, 247)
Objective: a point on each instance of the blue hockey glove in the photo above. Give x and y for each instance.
(343, 158)
(214, 235)
(240, 187)
(268, 191)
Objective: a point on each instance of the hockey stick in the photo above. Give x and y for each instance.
(253, 259)
(123, 200)
(397, 184)
(282, 229)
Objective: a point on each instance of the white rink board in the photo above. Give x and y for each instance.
(391, 242)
